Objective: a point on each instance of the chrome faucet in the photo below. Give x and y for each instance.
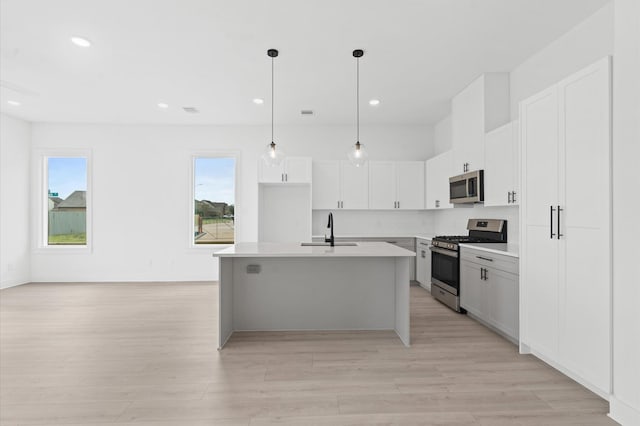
(331, 239)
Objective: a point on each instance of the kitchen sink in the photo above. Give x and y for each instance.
(328, 244)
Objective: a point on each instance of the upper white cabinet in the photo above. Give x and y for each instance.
(502, 166)
(396, 185)
(292, 170)
(438, 171)
(480, 107)
(566, 226)
(354, 183)
(340, 185)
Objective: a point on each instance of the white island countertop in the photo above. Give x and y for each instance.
(508, 249)
(295, 249)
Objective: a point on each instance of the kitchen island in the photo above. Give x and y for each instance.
(287, 286)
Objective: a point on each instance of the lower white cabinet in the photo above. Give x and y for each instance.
(489, 290)
(423, 263)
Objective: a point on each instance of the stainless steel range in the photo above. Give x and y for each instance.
(445, 257)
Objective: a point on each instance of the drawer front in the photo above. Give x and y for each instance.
(490, 260)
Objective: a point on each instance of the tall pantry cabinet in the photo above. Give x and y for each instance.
(565, 275)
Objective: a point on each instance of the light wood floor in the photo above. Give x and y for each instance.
(145, 354)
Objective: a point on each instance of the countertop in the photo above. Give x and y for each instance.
(363, 249)
(368, 236)
(508, 249)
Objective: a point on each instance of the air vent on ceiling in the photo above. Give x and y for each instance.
(306, 112)
(191, 110)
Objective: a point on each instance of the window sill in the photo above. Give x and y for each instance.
(194, 248)
(69, 249)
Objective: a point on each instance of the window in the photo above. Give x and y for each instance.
(66, 201)
(214, 200)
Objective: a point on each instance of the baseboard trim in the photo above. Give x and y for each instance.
(11, 283)
(600, 392)
(623, 413)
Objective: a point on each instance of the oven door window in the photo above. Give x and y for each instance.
(445, 268)
(458, 189)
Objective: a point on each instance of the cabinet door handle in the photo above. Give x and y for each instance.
(508, 197)
(398, 204)
(513, 196)
(559, 234)
(423, 254)
(485, 274)
(485, 258)
(342, 204)
(286, 177)
(338, 204)
(551, 210)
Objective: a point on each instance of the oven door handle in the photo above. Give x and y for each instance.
(444, 252)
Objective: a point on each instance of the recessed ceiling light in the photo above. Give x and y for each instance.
(163, 105)
(258, 101)
(80, 41)
(374, 102)
(14, 103)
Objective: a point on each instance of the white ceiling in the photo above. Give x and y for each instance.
(212, 55)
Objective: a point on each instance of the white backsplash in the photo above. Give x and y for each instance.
(374, 222)
(454, 221)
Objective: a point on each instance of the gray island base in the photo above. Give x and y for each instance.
(287, 287)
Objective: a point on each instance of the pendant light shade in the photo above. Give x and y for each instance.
(273, 156)
(357, 155)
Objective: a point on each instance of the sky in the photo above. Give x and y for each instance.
(214, 179)
(67, 175)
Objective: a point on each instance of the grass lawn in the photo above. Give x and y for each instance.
(79, 239)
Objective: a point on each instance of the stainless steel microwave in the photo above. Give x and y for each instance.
(467, 188)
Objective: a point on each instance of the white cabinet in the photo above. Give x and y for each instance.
(340, 185)
(354, 184)
(565, 226)
(502, 166)
(482, 106)
(396, 185)
(423, 263)
(292, 170)
(489, 290)
(438, 171)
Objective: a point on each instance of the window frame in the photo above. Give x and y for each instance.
(236, 155)
(41, 243)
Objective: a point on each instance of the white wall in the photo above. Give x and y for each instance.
(442, 136)
(582, 45)
(15, 147)
(625, 403)
(141, 190)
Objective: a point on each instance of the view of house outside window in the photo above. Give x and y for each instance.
(214, 203)
(67, 201)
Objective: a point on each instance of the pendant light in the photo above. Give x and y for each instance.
(272, 157)
(357, 155)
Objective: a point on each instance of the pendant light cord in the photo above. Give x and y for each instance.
(357, 99)
(271, 99)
